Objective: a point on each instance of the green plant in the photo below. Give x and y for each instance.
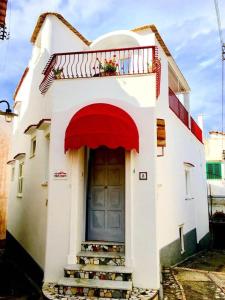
(109, 65)
(57, 72)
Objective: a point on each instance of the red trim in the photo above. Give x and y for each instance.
(196, 130)
(20, 82)
(101, 124)
(178, 108)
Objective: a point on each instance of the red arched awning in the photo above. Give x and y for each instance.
(101, 124)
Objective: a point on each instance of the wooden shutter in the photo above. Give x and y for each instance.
(161, 133)
(213, 170)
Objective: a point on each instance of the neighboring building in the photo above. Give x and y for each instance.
(215, 172)
(5, 140)
(110, 165)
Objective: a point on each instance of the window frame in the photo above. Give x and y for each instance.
(181, 238)
(12, 175)
(20, 183)
(32, 147)
(188, 167)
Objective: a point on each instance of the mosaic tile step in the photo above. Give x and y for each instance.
(92, 287)
(50, 291)
(103, 246)
(101, 258)
(102, 272)
(95, 283)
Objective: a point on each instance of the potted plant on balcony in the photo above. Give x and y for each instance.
(57, 73)
(108, 67)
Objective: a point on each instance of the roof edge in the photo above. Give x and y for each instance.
(154, 29)
(41, 20)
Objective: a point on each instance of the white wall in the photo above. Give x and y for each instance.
(139, 103)
(28, 215)
(181, 146)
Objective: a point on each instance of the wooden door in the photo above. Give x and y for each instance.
(106, 195)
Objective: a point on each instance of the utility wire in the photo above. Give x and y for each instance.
(222, 63)
(219, 22)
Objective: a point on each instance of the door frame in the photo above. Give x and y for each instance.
(78, 164)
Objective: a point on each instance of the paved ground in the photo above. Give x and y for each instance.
(200, 277)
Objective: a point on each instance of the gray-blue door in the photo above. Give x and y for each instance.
(106, 195)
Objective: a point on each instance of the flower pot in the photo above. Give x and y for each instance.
(109, 73)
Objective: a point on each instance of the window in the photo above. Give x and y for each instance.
(20, 180)
(181, 235)
(213, 170)
(12, 173)
(124, 65)
(33, 147)
(187, 183)
(47, 143)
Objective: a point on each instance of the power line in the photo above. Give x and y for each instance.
(219, 22)
(222, 62)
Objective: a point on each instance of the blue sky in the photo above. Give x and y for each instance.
(188, 27)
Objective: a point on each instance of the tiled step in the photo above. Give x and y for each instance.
(102, 272)
(103, 246)
(95, 288)
(50, 291)
(101, 258)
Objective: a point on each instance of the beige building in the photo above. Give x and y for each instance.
(5, 137)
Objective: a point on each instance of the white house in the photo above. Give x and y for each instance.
(110, 172)
(215, 154)
(215, 171)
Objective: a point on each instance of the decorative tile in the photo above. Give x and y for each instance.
(101, 261)
(103, 248)
(96, 294)
(98, 275)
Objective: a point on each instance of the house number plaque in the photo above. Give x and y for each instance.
(143, 175)
(60, 175)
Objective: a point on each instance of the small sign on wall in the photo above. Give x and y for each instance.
(143, 175)
(60, 175)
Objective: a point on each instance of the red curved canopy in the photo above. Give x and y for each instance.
(101, 124)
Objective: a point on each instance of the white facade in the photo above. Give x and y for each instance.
(49, 220)
(214, 151)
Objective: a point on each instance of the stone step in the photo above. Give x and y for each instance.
(102, 272)
(102, 246)
(51, 291)
(95, 288)
(101, 258)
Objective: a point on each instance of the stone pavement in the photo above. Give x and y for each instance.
(171, 287)
(193, 284)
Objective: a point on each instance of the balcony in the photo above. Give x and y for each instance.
(180, 111)
(91, 64)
